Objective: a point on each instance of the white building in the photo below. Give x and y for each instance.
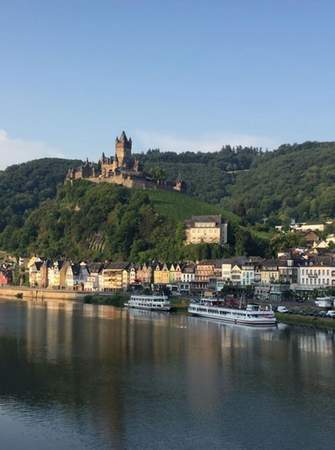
(94, 278)
(54, 274)
(206, 229)
(308, 226)
(238, 271)
(316, 276)
(188, 274)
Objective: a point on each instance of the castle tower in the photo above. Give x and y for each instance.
(123, 150)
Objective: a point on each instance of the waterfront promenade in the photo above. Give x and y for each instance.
(28, 293)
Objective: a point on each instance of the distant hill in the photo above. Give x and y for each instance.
(40, 214)
(23, 187)
(106, 221)
(252, 189)
(295, 181)
(207, 175)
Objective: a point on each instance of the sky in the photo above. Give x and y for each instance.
(175, 75)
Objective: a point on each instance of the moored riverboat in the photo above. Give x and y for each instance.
(149, 302)
(251, 315)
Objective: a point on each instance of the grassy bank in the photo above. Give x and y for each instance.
(179, 304)
(113, 299)
(297, 319)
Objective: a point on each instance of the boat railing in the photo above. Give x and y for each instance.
(220, 303)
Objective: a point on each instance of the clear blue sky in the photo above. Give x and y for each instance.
(173, 74)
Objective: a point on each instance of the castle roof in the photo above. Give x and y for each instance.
(123, 138)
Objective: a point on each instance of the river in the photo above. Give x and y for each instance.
(84, 376)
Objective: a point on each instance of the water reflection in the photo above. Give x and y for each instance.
(111, 377)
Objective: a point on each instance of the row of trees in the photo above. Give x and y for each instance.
(207, 175)
(296, 181)
(97, 222)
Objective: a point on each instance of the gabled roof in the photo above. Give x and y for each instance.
(267, 263)
(95, 267)
(237, 260)
(117, 265)
(211, 262)
(58, 264)
(203, 219)
(75, 269)
(38, 264)
(189, 269)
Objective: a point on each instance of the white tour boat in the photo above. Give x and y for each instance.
(150, 302)
(252, 315)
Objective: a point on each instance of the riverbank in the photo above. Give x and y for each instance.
(298, 319)
(116, 299)
(26, 293)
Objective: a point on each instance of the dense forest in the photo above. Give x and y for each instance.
(252, 189)
(207, 175)
(97, 222)
(23, 187)
(293, 182)
(82, 220)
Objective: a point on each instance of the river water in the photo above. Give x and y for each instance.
(84, 376)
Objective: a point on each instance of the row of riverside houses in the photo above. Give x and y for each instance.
(268, 277)
(6, 274)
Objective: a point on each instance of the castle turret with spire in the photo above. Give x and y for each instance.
(123, 149)
(123, 169)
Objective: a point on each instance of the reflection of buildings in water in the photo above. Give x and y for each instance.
(79, 355)
(102, 311)
(156, 317)
(318, 342)
(92, 367)
(206, 367)
(50, 323)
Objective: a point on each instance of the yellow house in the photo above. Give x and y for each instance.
(115, 276)
(54, 275)
(34, 265)
(161, 274)
(206, 229)
(175, 273)
(269, 272)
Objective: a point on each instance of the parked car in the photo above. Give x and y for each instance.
(331, 313)
(322, 314)
(324, 302)
(282, 309)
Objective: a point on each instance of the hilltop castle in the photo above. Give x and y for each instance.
(123, 169)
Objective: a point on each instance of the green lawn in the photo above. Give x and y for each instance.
(298, 319)
(181, 206)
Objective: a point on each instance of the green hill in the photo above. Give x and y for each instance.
(295, 181)
(23, 187)
(105, 221)
(39, 213)
(207, 174)
(42, 215)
